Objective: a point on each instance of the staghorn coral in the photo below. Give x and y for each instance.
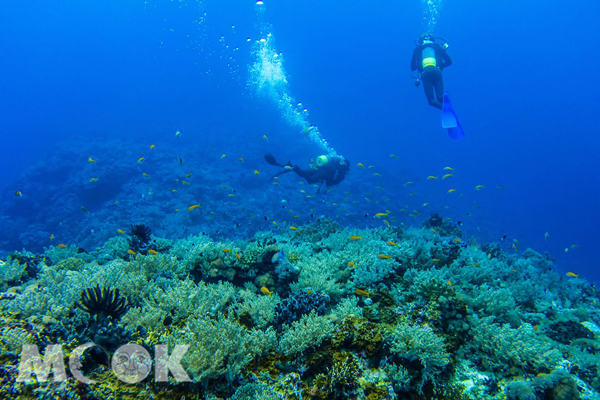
(220, 346)
(260, 308)
(304, 334)
(413, 342)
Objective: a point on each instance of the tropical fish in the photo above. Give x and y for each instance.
(177, 133)
(379, 215)
(308, 130)
(256, 172)
(141, 159)
(180, 161)
(240, 159)
(93, 179)
(84, 210)
(377, 174)
(425, 204)
(293, 228)
(266, 138)
(409, 183)
(387, 223)
(392, 243)
(295, 216)
(515, 247)
(431, 177)
(121, 231)
(449, 168)
(277, 257)
(479, 187)
(360, 165)
(276, 183)
(145, 174)
(500, 187)
(188, 175)
(572, 275)
(131, 252)
(371, 166)
(447, 176)
(383, 257)
(351, 264)
(457, 240)
(290, 168)
(237, 255)
(546, 236)
(361, 292)
(18, 194)
(274, 223)
(434, 231)
(52, 237)
(223, 156)
(61, 246)
(91, 160)
(265, 290)
(226, 250)
(185, 183)
(152, 252)
(436, 260)
(393, 156)
(574, 246)
(152, 146)
(193, 207)
(353, 238)
(231, 195)
(449, 283)
(174, 190)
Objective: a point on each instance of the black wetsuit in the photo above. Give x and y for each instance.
(432, 76)
(331, 173)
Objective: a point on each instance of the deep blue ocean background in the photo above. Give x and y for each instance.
(132, 73)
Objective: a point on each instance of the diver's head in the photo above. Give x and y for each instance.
(321, 160)
(426, 37)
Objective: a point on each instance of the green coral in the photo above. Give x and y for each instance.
(304, 334)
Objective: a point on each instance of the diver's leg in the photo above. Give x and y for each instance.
(428, 82)
(439, 86)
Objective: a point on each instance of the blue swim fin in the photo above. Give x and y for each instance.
(450, 121)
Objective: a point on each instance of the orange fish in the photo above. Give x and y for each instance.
(61, 246)
(226, 250)
(353, 238)
(293, 228)
(151, 146)
(91, 160)
(152, 252)
(392, 243)
(131, 252)
(190, 208)
(383, 257)
(361, 292)
(141, 159)
(188, 175)
(265, 290)
(449, 283)
(351, 264)
(121, 231)
(238, 257)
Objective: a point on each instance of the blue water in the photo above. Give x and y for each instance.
(523, 82)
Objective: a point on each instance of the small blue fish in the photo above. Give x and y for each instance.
(277, 257)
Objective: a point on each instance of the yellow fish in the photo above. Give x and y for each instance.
(360, 165)
(409, 183)
(449, 283)
(572, 275)
(377, 174)
(226, 250)
(238, 256)
(188, 175)
(479, 187)
(293, 228)
(240, 159)
(431, 177)
(256, 172)
(231, 195)
(274, 223)
(371, 166)
(436, 260)
(151, 146)
(193, 207)
(131, 252)
(515, 247)
(449, 169)
(393, 156)
(91, 160)
(185, 183)
(141, 159)
(276, 183)
(266, 138)
(224, 187)
(174, 190)
(152, 252)
(61, 246)
(93, 179)
(379, 215)
(457, 240)
(447, 176)
(145, 174)
(434, 231)
(177, 134)
(387, 223)
(351, 264)
(309, 129)
(361, 292)
(353, 238)
(223, 156)
(52, 237)
(121, 231)
(265, 290)
(392, 243)
(295, 216)
(383, 257)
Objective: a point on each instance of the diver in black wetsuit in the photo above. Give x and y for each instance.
(330, 170)
(430, 58)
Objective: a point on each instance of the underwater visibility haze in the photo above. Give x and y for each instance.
(265, 182)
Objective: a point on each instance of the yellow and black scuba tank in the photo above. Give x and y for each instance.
(322, 160)
(428, 55)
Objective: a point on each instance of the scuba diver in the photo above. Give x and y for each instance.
(429, 59)
(327, 169)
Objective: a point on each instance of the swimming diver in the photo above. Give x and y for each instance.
(430, 58)
(327, 169)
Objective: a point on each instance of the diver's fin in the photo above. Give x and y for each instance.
(270, 159)
(456, 133)
(449, 119)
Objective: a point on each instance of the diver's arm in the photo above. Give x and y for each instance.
(446, 60)
(414, 62)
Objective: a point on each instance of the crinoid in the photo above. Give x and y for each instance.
(141, 232)
(107, 302)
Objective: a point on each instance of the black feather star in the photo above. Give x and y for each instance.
(107, 302)
(141, 232)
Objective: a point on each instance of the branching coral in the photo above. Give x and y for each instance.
(304, 334)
